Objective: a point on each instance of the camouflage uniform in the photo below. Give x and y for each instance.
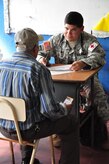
(88, 50)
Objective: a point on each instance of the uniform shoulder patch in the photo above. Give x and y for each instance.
(47, 46)
(92, 46)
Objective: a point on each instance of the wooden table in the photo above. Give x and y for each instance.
(68, 84)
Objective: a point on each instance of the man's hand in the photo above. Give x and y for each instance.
(77, 65)
(68, 102)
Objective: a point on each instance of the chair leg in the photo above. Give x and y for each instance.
(52, 151)
(34, 151)
(12, 152)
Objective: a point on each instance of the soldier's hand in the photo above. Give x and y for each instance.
(77, 65)
(43, 61)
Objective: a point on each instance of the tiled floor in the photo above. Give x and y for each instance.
(87, 155)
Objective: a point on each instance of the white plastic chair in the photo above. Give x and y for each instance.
(14, 109)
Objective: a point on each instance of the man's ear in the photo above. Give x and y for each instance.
(82, 28)
(36, 49)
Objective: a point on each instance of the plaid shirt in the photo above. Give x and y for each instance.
(23, 77)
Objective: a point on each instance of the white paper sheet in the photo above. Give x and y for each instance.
(65, 67)
(55, 70)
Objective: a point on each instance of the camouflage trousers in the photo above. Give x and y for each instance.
(100, 99)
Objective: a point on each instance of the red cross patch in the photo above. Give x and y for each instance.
(92, 46)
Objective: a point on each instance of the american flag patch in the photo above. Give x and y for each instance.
(47, 46)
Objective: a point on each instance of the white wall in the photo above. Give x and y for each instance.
(47, 16)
